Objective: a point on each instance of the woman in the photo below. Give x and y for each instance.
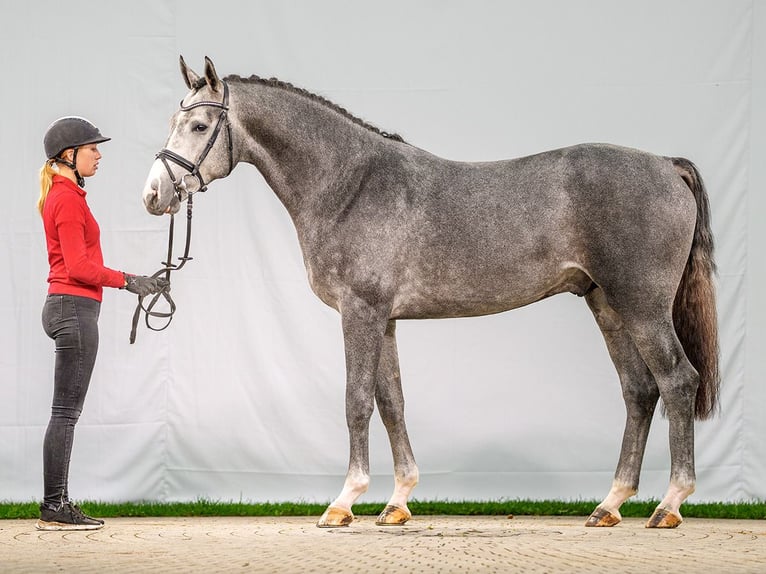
(70, 314)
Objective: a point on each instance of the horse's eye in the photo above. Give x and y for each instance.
(200, 128)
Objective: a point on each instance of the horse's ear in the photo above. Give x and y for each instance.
(212, 76)
(189, 76)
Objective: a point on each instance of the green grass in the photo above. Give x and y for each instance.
(742, 510)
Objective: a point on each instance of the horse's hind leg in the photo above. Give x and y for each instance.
(678, 382)
(390, 401)
(640, 393)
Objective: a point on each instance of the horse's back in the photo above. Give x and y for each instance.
(590, 206)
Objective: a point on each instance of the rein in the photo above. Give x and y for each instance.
(166, 269)
(165, 155)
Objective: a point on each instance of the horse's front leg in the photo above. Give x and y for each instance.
(390, 401)
(363, 329)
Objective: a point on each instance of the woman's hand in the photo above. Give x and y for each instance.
(143, 286)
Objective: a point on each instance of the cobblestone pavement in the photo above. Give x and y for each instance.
(425, 544)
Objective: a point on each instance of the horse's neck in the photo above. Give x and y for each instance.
(301, 146)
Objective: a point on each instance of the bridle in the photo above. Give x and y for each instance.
(165, 155)
(179, 185)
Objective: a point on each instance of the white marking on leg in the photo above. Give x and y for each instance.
(619, 493)
(677, 493)
(356, 485)
(403, 487)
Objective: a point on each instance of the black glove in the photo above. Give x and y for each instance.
(143, 286)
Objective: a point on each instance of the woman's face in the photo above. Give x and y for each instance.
(87, 159)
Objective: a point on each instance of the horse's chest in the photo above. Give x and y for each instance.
(335, 274)
(324, 282)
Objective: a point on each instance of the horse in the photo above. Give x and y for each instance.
(389, 231)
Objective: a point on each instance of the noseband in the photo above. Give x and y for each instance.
(165, 156)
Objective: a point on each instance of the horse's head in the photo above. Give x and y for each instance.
(198, 149)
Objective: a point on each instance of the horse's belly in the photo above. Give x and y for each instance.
(485, 295)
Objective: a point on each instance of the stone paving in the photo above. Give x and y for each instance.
(425, 544)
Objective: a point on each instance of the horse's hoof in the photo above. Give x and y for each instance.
(664, 519)
(393, 516)
(602, 517)
(335, 517)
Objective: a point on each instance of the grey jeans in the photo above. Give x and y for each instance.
(72, 322)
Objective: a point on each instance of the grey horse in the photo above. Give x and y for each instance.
(389, 231)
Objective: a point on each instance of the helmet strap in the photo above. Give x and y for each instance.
(73, 166)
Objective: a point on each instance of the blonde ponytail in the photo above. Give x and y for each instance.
(46, 181)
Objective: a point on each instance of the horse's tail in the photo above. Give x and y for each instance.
(694, 309)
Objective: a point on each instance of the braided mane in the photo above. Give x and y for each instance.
(275, 83)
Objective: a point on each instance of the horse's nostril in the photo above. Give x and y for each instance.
(155, 185)
(151, 198)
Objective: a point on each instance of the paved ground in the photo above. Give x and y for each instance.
(426, 544)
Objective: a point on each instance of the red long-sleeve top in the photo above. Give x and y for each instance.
(74, 244)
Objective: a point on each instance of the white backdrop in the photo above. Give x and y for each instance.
(242, 397)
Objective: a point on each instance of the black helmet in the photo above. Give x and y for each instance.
(70, 131)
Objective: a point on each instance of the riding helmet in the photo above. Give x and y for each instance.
(70, 132)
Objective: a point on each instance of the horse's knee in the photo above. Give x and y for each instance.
(641, 396)
(679, 388)
(359, 418)
(676, 378)
(391, 410)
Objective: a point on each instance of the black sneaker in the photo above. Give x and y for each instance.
(67, 516)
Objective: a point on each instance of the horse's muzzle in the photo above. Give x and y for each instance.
(154, 201)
